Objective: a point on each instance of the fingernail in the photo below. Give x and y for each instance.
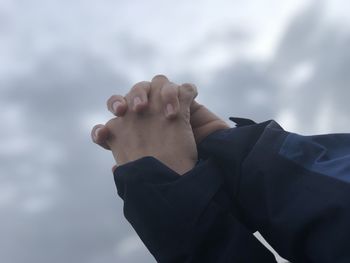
(169, 109)
(137, 101)
(115, 106)
(96, 133)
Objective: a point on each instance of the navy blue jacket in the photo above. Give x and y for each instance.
(293, 189)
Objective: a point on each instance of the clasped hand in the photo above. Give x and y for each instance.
(159, 119)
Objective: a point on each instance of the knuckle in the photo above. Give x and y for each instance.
(189, 87)
(159, 77)
(170, 90)
(140, 87)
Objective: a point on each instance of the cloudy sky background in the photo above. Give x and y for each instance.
(60, 60)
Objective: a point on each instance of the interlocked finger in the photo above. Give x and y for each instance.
(99, 135)
(170, 100)
(117, 105)
(137, 98)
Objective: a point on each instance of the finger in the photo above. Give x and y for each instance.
(137, 98)
(187, 94)
(99, 135)
(117, 105)
(170, 100)
(158, 82)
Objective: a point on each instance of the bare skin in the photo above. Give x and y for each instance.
(150, 133)
(148, 99)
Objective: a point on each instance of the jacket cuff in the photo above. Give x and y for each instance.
(238, 141)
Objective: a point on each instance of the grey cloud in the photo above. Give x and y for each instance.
(245, 90)
(307, 39)
(135, 49)
(327, 48)
(83, 221)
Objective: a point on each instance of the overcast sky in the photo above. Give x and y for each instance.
(61, 59)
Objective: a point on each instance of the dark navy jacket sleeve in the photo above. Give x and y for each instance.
(293, 189)
(185, 218)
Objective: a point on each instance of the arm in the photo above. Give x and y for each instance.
(293, 189)
(179, 218)
(184, 218)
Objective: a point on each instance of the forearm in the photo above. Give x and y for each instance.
(279, 184)
(187, 218)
